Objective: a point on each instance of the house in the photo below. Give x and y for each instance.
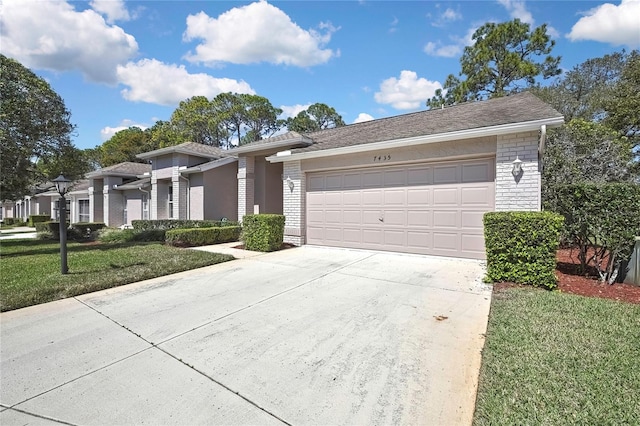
(192, 181)
(415, 183)
(115, 195)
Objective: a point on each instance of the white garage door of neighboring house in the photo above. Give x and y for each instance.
(433, 208)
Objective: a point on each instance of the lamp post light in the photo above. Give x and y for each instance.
(62, 186)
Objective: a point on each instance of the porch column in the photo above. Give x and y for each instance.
(246, 189)
(294, 203)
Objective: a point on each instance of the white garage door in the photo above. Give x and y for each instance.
(433, 208)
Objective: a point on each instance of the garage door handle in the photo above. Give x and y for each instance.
(381, 219)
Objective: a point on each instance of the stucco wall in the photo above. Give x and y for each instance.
(220, 192)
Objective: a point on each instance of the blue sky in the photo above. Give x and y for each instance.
(121, 63)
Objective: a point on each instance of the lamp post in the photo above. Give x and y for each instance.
(62, 186)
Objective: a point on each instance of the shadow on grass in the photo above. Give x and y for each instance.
(54, 247)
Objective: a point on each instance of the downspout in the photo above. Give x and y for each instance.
(541, 146)
(188, 195)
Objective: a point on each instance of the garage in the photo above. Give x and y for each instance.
(426, 208)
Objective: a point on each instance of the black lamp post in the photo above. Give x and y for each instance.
(62, 186)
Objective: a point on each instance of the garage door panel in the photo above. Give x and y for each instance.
(446, 219)
(478, 195)
(434, 208)
(395, 238)
(395, 217)
(446, 241)
(351, 217)
(372, 236)
(445, 196)
(472, 219)
(394, 197)
(419, 197)
(419, 240)
(419, 218)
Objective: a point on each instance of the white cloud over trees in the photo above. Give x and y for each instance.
(52, 35)
(618, 25)
(152, 81)
(258, 32)
(406, 92)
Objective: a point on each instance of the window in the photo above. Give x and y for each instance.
(170, 202)
(56, 209)
(124, 209)
(83, 211)
(145, 207)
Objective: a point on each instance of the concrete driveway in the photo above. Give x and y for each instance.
(308, 335)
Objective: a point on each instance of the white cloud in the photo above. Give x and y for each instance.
(152, 81)
(362, 117)
(608, 23)
(292, 110)
(114, 10)
(258, 32)
(407, 92)
(107, 132)
(446, 51)
(517, 9)
(52, 35)
(440, 49)
(446, 17)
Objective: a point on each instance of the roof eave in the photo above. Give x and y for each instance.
(421, 140)
(209, 166)
(174, 150)
(287, 143)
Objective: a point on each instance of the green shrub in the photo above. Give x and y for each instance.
(202, 236)
(88, 227)
(263, 232)
(602, 220)
(51, 227)
(521, 247)
(113, 235)
(9, 221)
(38, 218)
(180, 224)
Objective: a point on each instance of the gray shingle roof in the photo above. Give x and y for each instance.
(191, 148)
(517, 108)
(126, 168)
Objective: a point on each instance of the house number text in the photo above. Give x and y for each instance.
(377, 158)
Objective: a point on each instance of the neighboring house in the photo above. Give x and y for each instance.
(415, 183)
(192, 181)
(115, 195)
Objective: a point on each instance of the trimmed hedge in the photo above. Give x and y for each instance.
(180, 224)
(202, 236)
(113, 235)
(38, 218)
(75, 231)
(602, 220)
(521, 247)
(263, 232)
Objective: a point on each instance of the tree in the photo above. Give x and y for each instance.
(622, 106)
(34, 124)
(165, 133)
(317, 117)
(260, 118)
(72, 162)
(197, 120)
(505, 58)
(585, 152)
(124, 146)
(583, 91)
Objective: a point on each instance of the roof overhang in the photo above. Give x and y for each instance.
(100, 173)
(174, 150)
(296, 142)
(138, 184)
(209, 166)
(502, 129)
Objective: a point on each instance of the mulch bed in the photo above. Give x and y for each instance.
(570, 281)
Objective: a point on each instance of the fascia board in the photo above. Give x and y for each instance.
(209, 166)
(502, 129)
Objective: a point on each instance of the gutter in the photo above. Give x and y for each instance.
(502, 129)
(302, 140)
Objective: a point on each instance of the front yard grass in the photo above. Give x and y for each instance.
(552, 358)
(30, 269)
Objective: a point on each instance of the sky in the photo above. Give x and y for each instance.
(122, 63)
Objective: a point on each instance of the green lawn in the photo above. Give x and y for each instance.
(553, 359)
(30, 269)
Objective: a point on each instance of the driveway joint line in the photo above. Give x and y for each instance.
(156, 346)
(41, 416)
(250, 401)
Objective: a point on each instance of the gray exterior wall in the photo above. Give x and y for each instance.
(268, 186)
(220, 189)
(522, 193)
